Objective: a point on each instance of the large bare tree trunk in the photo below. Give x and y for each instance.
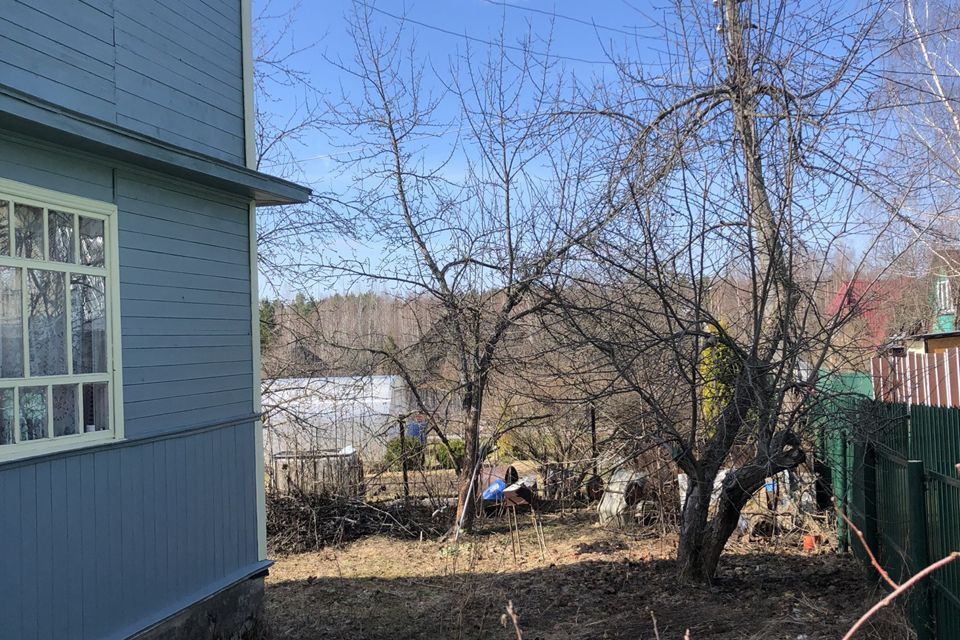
(469, 482)
(770, 265)
(702, 539)
(693, 531)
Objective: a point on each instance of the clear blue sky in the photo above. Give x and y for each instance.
(582, 33)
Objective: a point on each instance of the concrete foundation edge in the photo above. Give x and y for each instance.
(233, 613)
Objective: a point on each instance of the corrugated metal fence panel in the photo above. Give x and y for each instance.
(855, 494)
(943, 530)
(890, 428)
(838, 411)
(935, 439)
(835, 457)
(892, 514)
(926, 379)
(890, 437)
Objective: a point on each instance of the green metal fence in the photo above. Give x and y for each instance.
(894, 475)
(935, 439)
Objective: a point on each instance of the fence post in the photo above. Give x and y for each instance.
(403, 460)
(845, 485)
(919, 554)
(870, 533)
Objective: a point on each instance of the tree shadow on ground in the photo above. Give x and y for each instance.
(756, 595)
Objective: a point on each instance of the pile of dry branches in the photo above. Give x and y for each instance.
(303, 522)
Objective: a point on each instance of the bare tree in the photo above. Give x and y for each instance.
(756, 153)
(290, 113)
(473, 196)
(921, 78)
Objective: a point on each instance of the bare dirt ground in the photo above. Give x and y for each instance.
(592, 583)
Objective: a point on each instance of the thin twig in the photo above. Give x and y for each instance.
(873, 560)
(512, 616)
(917, 577)
(656, 632)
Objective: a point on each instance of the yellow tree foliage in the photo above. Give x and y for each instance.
(718, 370)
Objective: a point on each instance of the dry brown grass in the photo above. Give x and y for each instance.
(592, 583)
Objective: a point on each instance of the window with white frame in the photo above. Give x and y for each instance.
(944, 299)
(57, 305)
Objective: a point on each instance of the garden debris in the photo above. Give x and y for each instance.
(622, 494)
(310, 522)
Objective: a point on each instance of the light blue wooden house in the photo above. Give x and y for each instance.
(131, 485)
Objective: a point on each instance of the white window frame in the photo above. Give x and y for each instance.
(944, 298)
(21, 193)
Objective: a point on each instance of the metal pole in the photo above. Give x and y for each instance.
(870, 534)
(842, 534)
(921, 613)
(403, 461)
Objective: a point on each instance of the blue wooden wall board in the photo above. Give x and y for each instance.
(110, 540)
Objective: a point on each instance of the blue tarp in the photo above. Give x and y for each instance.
(417, 430)
(494, 491)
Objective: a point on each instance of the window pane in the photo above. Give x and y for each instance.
(29, 225)
(60, 236)
(47, 323)
(4, 228)
(91, 241)
(96, 415)
(89, 324)
(11, 324)
(64, 410)
(6, 416)
(33, 413)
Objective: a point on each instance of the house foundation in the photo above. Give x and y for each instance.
(234, 613)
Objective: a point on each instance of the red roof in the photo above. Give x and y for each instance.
(871, 301)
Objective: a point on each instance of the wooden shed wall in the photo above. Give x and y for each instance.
(171, 70)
